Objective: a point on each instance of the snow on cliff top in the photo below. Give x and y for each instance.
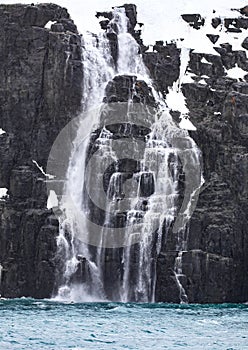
(162, 18)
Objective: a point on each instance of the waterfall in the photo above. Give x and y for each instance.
(107, 269)
(1, 270)
(98, 70)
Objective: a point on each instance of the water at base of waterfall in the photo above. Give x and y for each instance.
(39, 324)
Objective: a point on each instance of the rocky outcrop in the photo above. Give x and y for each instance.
(163, 64)
(41, 88)
(194, 20)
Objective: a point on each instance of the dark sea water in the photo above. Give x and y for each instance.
(33, 324)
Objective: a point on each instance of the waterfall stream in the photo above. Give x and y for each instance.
(87, 273)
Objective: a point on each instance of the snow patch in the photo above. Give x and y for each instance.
(236, 72)
(49, 24)
(150, 49)
(202, 81)
(50, 177)
(197, 39)
(160, 19)
(188, 78)
(203, 60)
(3, 192)
(184, 61)
(185, 123)
(52, 200)
(175, 100)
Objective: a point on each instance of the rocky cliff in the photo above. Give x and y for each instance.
(41, 79)
(216, 262)
(42, 74)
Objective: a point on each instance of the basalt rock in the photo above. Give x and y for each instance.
(245, 44)
(244, 11)
(236, 24)
(214, 265)
(163, 64)
(41, 90)
(216, 22)
(213, 38)
(194, 20)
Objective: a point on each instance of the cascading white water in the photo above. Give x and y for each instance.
(98, 70)
(1, 270)
(136, 283)
(129, 60)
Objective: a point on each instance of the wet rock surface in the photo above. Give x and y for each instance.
(41, 74)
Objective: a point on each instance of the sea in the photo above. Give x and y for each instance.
(46, 324)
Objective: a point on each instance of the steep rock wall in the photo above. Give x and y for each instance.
(41, 79)
(215, 265)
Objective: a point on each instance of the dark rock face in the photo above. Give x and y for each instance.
(245, 44)
(123, 88)
(216, 22)
(235, 24)
(244, 11)
(41, 78)
(41, 90)
(163, 65)
(215, 265)
(194, 20)
(213, 38)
